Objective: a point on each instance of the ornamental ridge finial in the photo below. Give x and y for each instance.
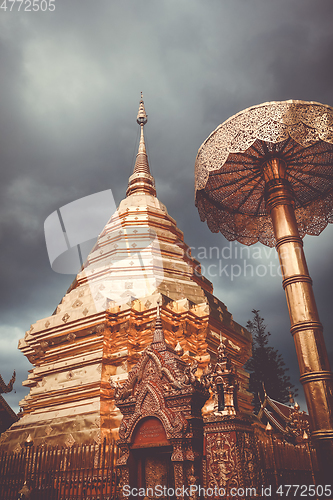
(9, 387)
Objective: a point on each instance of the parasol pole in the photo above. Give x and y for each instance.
(306, 328)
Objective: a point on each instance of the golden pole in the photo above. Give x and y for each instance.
(306, 328)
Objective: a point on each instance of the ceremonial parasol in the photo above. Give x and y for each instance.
(266, 174)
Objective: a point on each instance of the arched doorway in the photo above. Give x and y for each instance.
(151, 452)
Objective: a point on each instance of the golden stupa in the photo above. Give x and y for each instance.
(107, 318)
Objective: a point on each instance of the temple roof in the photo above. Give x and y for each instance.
(284, 419)
(7, 415)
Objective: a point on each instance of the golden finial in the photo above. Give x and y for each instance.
(178, 349)
(268, 427)
(142, 117)
(28, 442)
(291, 399)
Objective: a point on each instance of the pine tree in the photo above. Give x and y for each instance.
(266, 366)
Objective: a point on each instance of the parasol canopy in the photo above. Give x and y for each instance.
(229, 179)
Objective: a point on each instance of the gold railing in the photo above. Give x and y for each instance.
(281, 461)
(75, 473)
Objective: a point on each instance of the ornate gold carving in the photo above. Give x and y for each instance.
(178, 471)
(249, 459)
(123, 480)
(156, 472)
(221, 461)
(124, 454)
(192, 480)
(178, 453)
(299, 423)
(149, 404)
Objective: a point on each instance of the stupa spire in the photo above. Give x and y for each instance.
(141, 181)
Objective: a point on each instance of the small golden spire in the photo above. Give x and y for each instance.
(141, 181)
(158, 334)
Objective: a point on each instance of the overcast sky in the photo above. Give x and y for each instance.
(70, 83)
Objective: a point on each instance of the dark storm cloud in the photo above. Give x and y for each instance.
(70, 83)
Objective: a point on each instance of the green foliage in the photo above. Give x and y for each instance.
(266, 366)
